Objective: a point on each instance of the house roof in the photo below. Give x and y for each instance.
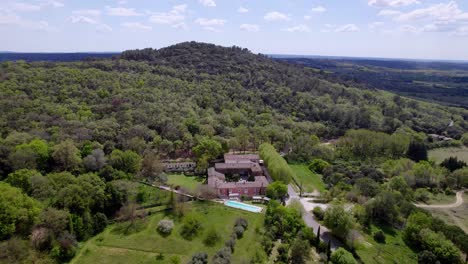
(235, 157)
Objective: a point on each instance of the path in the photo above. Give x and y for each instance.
(445, 206)
(325, 234)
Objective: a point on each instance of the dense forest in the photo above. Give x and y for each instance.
(435, 81)
(75, 135)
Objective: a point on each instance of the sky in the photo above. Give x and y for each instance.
(418, 29)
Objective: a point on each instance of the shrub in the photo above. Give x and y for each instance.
(422, 195)
(165, 226)
(239, 231)
(199, 258)
(241, 222)
(223, 256)
(318, 165)
(191, 226)
(318, 213)
(211, 238)
(231, 243)
(342, 256)
(379, 236)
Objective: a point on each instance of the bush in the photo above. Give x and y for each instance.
(422, 195)
(231, 243)
(223, 256)
(211, 238)
(241, 222)
(191, 226)
(239, 231)
(165, 226)
(318, 213)
(318, 165)
(342, 256)
(379, 236)
(199, 258)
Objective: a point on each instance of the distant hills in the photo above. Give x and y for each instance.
(64, 57)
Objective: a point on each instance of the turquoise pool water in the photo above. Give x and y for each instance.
(244, 206)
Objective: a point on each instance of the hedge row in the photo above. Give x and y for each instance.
(277, 165)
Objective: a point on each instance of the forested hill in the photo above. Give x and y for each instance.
(175, 95)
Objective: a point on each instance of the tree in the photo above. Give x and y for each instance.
(452, 164)
(464, 139)
(191, 226)
(211, 238)
(205, 151)
(223, 256)
(66, 155)
(55, 220)
(22, 179)
(126, 161)
(95, 161)
(300, 251)
(414, 224)
(32, 155)
(367, 186)
(417, 151)
(242, 135)
(342, 256)
(18, 212)
(383, 208)
(165, 226)
(399, 184)
(152, 168)
(199, 258)
(277, 190)
(318, 165)
(338, 220)
(445, 251)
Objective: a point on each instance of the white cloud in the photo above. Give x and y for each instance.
(375, 25)
(11, 19)
(175, 17)
(307, 17)
(136, 26)
(438, 12)
(250, 27)
(212, 29)
(87, 12)
(409, 29)
(31, 7)
(388, 12)
(104, 28)
(122, 11)
(25, 7)
(81, 19)
(242, 10)
(210, 3)
(461, 31)
(298, 28)
(276, 16)
(319, 9)
(392, 3)
(347, 28)
(210, 22)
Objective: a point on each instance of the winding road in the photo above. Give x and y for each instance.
(445, 206)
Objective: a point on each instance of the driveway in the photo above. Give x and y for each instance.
(309, 219)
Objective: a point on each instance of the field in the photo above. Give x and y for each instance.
(190, 183)
(392, 251)
(310, 181)
(143, 246)
(442, 153)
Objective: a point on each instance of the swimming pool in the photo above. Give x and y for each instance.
(243, 206)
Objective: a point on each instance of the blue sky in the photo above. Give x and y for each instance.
(427, 29)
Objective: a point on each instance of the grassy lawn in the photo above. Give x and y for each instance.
(310, 181)
(394, 250)
(442, 153)
(144, 245)
(190, 183)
